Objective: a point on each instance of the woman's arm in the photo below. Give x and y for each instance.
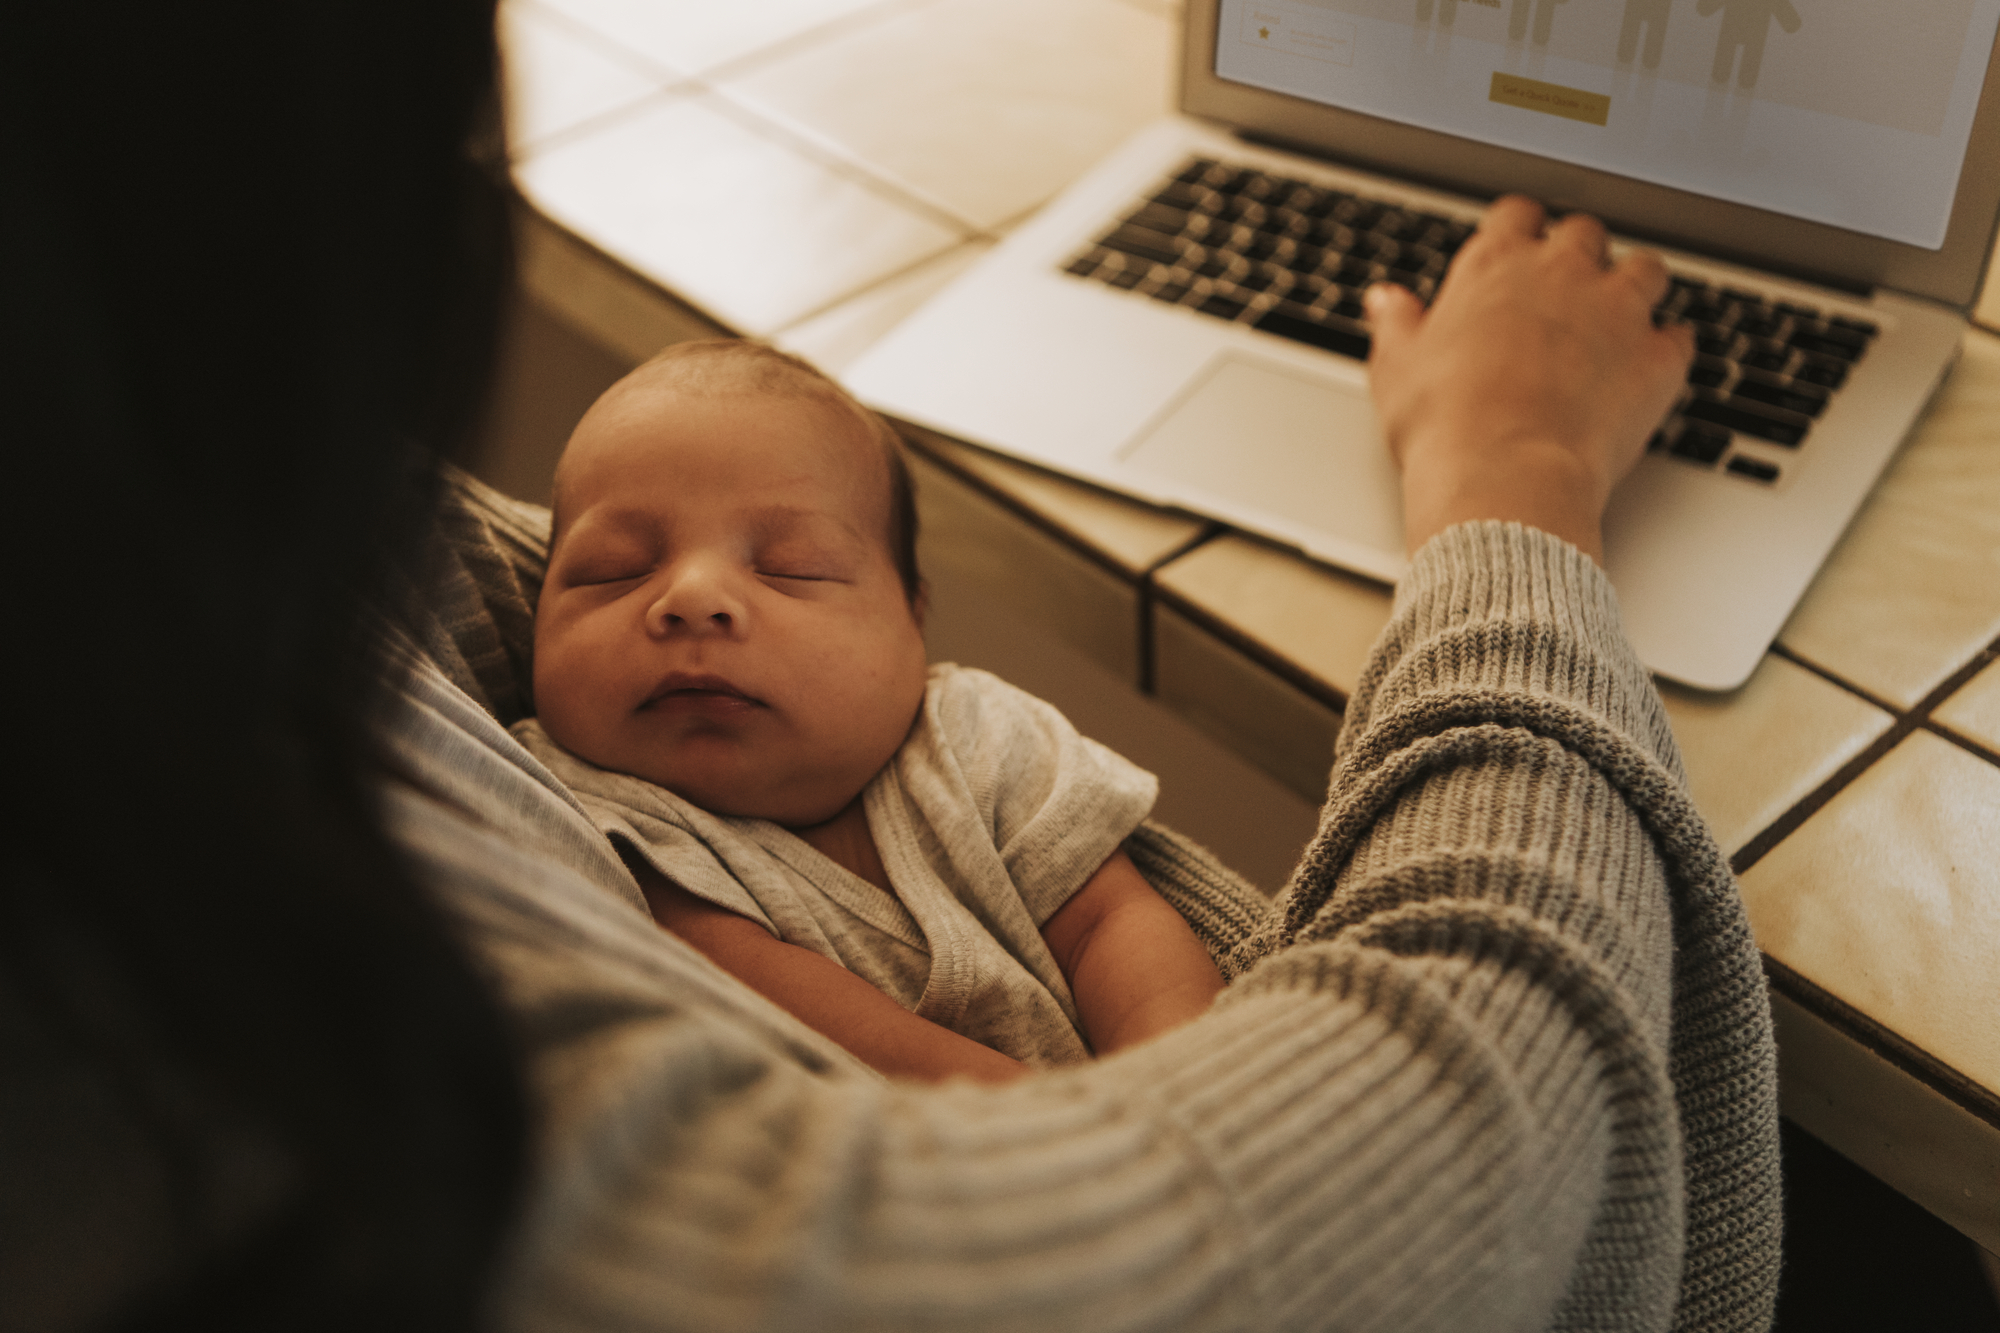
(821, 993)
(1507, 1064)
(1133, 966)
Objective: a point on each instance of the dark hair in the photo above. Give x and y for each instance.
(250, 278)
(714, 367)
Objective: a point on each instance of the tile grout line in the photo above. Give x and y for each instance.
(872, 285)
(786, 47)
(833, 158)
(518, 155)
(1946, 733)
(1900, 729)
(1760, 844)
(1789, 655)
(606, 45)
(703, 88)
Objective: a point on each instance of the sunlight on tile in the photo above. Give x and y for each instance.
(834, 339)
(1890, 898)
(558, 78)
(1043, 87)
(1912, 592)
(1753, 754)
(1974, 711)
(697, 202)
(698, 37)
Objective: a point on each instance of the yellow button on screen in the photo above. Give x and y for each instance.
(1550, 98)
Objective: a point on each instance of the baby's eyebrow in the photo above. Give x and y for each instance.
(779, 520)
(618, 521)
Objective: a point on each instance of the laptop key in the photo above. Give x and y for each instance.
(1360, 214)
(1297, 310)
(1766, 423)
(1352, 273)
(1708, 372)
(1222, 307)
(1331, 235)
(1754, 468)
(1171, 292)
(1700, 442)
(1804, 399)
(1333, 336)
(1144, 243)
(1327, 202)
(1710, 342)
(1846, 344)
(1412, 259)
(1309, 287)
(1162, 218)
(1827, 373)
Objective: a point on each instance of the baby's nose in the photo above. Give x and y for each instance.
(699, 600)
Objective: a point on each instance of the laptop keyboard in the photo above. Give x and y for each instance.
(1292, 258)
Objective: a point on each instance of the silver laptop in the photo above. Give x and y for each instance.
(1182, 324)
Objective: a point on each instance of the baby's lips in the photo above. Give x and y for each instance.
(696, 687)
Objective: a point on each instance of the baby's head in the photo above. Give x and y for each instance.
(732, 603)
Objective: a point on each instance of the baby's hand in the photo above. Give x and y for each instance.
(1530, 386)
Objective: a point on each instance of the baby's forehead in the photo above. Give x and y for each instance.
(637, 429)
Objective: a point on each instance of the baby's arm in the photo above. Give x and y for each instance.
(821, 993)
(1133, 965)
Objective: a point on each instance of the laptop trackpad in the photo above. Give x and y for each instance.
(1253, 440)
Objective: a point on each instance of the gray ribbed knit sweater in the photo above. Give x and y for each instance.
(1500, 1060)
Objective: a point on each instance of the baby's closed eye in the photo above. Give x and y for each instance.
(597, 573)
(603, 564)
(799, 562)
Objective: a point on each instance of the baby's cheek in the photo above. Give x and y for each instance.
(569, 697)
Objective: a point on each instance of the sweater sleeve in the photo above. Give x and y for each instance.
(1500, 1061)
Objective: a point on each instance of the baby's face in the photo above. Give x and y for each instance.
(721, 615)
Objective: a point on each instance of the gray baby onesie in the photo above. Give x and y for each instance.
(987, 819)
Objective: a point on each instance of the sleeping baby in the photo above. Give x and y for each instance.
(922, 863)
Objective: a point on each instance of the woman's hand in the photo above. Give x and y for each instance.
(1531, 385)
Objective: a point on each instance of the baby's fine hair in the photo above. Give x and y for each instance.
(729, 367)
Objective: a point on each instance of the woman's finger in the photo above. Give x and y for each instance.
(1514, 215)
(1393, 315)
(1585, 235)
(1647, 273)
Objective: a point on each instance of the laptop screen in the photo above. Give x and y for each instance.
(1853, 113)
